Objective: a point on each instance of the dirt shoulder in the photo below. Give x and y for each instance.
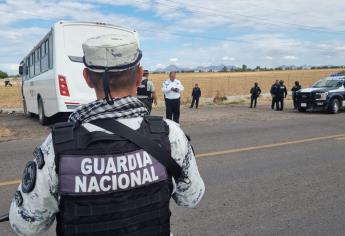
(14, 126)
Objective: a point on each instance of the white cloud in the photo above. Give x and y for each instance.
(290, 57)
(340, 48)
(274, 24)
(9, 66)
(174, 60)
(159, 66)
(226, 58)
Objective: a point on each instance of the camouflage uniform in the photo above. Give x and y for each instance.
(33, 212)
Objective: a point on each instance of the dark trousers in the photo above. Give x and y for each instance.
(196, 101)
(253, 99)
(294, 101)
(280, 104)
(274, 101)
(172, 107)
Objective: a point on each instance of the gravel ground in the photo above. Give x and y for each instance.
(27, 128)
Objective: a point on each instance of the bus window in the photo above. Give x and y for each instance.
(32, 67)
(37, 61)
(44, 56)
(27, 68)
(50, 51)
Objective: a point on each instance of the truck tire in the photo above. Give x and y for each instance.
(334, 106)
(302, 109)
(41, 116)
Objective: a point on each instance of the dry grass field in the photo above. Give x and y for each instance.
(223, 84)
(10, 97)
(239, 83)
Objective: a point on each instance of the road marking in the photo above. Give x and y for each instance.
(10, 182)
(341, 138)
(273, 145)
(235, 150)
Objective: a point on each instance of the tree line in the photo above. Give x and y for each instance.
(3, 74)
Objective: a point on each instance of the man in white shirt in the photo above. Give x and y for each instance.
(172, 89)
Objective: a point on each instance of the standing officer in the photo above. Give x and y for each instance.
(282, 93)
(274, 93)
(146, 91)
(294, 90)
(196, 94)
(112, 169)
(255, 93)
(172, 89)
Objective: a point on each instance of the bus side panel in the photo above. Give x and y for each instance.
(46, 90)
(29, 96)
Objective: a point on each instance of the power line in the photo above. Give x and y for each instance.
(217, 13)
(179, 34)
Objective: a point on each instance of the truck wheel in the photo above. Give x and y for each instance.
(334, 106)
(41, 116)
(302, 109)
(26, 112)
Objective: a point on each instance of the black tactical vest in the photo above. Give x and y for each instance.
(142, 89)
(110, 186)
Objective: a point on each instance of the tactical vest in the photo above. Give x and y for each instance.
(142, 89)
(109, 185)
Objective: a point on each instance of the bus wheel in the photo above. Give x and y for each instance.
(41, 116)
(26, 112)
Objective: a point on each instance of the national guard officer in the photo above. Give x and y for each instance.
(282, 93)
(255, 93)
(146, 91)
(110, 170)
(172, 89)
(294, 90)
(274, 93)
(196, 94)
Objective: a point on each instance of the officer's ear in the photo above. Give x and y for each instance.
(140, 73)
(87, 77)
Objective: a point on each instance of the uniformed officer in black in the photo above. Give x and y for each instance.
(112, 169)
(146, 91)
(274, 93)
(282, 93)
(196, 94)
(294, 89)
(255, 93)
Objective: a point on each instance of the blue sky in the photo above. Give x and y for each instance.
(191, 33)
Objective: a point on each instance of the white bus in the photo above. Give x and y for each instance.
(52, 82)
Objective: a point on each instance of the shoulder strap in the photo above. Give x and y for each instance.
(141, 141)
(144, 82)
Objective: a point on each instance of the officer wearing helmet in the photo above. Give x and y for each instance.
(146, 91)
(112, 169)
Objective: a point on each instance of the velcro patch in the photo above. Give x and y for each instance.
(97, 174)
(18, 198)
(29, 177)
(39, 157)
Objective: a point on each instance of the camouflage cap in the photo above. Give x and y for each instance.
(114, 52)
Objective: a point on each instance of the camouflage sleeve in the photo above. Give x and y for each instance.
(150, 86)
(190, 188)
(35, 204)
